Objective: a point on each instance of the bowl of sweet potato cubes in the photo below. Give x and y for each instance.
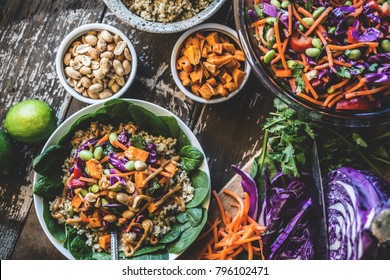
(208, 65)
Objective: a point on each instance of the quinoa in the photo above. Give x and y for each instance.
(166, 10)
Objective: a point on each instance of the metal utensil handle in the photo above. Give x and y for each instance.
(114, 246)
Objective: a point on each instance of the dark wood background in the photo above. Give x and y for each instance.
(30, 33)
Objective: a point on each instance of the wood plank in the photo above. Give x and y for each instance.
(30, 33)
(230, 132)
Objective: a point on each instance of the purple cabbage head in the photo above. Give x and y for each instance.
(353, 199)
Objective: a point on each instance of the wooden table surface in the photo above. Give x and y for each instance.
(30, 34)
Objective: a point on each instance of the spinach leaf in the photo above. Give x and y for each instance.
(201, 184)
(185, 226)
(49, 163)
(48, 187)
(56, 230)
(181, 218)
(116, 110)
(188, 236)
(101, 256)
(194, 216)
(176, 131)
(138, 142)
(150, 249)
(148, 253)
(148, 121)
(79, 249)
(156, 256)
(171, 235)
(191, 158)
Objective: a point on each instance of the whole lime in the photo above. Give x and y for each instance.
(7, 153)
(31, 121)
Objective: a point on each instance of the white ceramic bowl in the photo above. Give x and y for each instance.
(207, 27)
(121, 11)
(64, 128)
(71, 37)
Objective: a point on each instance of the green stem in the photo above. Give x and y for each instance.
(363, 157)
(380, 137)
(381, 160)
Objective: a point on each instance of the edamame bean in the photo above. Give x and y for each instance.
(301, 27)
(317, 43)
(130, 165)
(353, 54)
(87, 171)
(71, 211)
(309, 21)
(83, 192)
(275, 3)
(98, 152)
(285, 4)
(269, 56)
(113, 137)
(291, 64)
(385, 45)
(318, 12)
(332, 30)
(312, 52)
(348, 3)
(271, 20)
(104, 202)
(85, 155)
(94, 188)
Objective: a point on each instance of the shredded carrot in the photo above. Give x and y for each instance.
(259, 22)
(119, 145)
(236, 236)
(103, 160)
(290, 19)
(279, 45)
(310, 87)
(87, 180)
(365, 92)
(304, 12)
(341, 84)
(283, 73)
(318, 21)
(298, 17)
(165, 174)
(308, 98)
(102, 140)
(352, 46)
(330, 98)
(357, 86)
(335, 100)
(342, 63)
(121, 174)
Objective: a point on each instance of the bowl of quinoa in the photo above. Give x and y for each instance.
(126, 166)
(164, 16)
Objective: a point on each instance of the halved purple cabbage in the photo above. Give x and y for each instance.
(353, 200)
(286, 214)
(249, 186)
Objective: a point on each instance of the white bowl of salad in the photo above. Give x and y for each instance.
(125, 166)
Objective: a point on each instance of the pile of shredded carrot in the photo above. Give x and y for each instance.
(234, 235)
(332, 55)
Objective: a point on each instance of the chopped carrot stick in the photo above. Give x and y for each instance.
(341, 63)
(366, 92)
(103, 160)
(283, 73)
(259, 22)
(290, 20)
(121, 174)
(335, 100)
(87, 180)
(330, 98)
(220, 206)
(357, 86)
(341, 84)
(308, 98)
(318, 21)
(298, 17)
(304, 12)
(163, 173)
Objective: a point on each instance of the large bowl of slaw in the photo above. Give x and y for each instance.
(367, 72)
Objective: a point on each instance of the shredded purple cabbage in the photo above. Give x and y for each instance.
(117, 163)
(152, 149)
(249, 186)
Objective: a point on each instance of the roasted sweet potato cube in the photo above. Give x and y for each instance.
(195, 41)
(230, 86)
(232, 64)
(94, 168)
(195, 77)
(134, 153)
(187, 82)
(184, 64)
(139, 178)
(194, 54)
(216, 73)
(104, 241)
(195, 89)
(95, 222)
(222, 90)
(227, 78)
(230, 48)
(238, 77)
(83, 218)
(210, 67)
(183, 75)
(223, 39)
(171, 168)
(239, 55)
(205, 92)
(204, 52)
(77, 201)
(217, 48)
(212, 38)
(199, 35)
(220, 60)
(206, 73)
(212, 82)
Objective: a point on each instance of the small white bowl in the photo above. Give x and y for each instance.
(71, 37)
(176, 51)
(125, 14)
